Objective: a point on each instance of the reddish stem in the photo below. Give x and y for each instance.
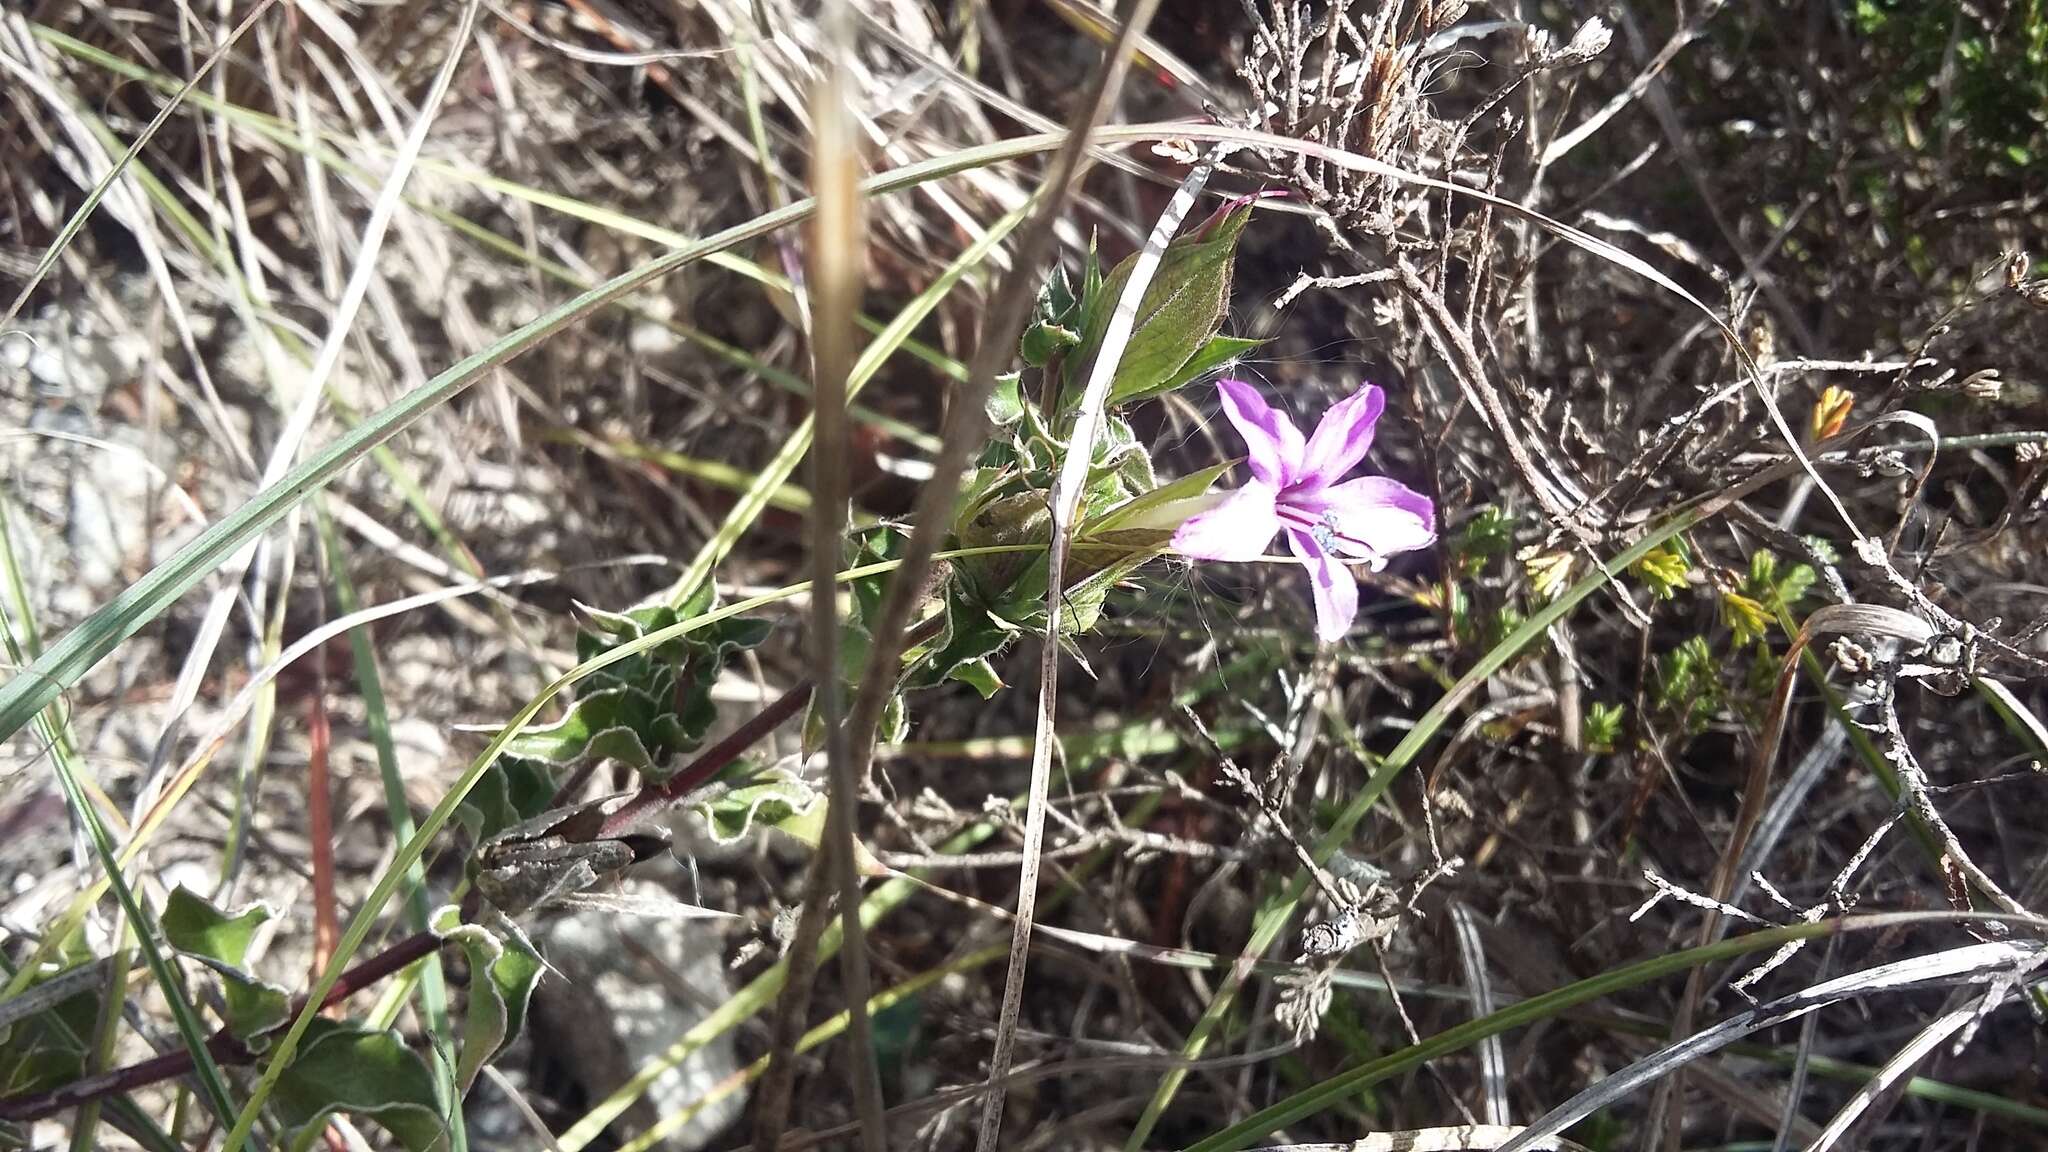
(708, 763)
(320, 818)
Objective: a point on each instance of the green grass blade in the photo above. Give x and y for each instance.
(212, 1084)
(433, 984)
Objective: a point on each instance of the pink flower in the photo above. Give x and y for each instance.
(1300, 488)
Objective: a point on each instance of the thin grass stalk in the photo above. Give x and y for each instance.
(837, 253)
(433, 982)
(882, 1001)
(748, 1001)
(99, 191)
(1066, 504)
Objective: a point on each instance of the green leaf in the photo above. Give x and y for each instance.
(220, 940)
(971, 636)
(644, 711)
(765, 796)
(1041, 342)
(1006, 401)
(1057, 303)
(626, 723)
(511, 790)
(1023, 518)
(46, 1048)
(1795, 584)
(1154, 509)
(1216, 354)
(1603, 726)
(503, 971)
(1181, 310)
(342, 1068)
(979, 675)
(883, 542)
(194, 926)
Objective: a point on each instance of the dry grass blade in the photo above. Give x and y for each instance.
(1462, 1138)
(314, 384)
(107, 182)
(1896, 1070)
(1971, 964)
(837, 252)
(1493, 1064)
(1066, 501)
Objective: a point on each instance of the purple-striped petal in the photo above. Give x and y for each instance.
(1274, 442)
(1237, 529)
(1372, 517)
(1336, 590)
(1342, 439)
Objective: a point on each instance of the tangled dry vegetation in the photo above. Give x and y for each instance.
(1686, 793)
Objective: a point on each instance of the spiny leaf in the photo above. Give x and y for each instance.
(512, 789)
(970, 637)
(647, 710)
